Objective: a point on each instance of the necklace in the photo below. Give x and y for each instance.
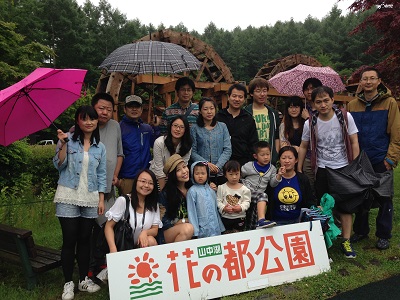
(289, 179)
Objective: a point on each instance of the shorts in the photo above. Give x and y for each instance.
(74, 211)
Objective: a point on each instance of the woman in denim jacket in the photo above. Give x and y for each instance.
(81, 161)
(211, 140)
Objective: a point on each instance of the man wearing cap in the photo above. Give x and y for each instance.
(137, 139)
(184, 90)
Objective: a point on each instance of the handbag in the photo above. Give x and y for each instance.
(123, 235)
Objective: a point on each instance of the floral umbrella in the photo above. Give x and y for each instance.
(291, 82)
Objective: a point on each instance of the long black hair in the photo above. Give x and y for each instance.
(186, 140)
(151, 200)
(200, 120)
(287, 118)
(81, 113)
(173, 194)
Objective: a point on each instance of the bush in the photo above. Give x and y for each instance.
(15, 160)
(44, 174)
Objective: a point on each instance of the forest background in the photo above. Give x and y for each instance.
(62, 34)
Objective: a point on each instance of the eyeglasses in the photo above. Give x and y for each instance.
(176, 126)
(372, 79)
(294, 107)
(145, 182)
(211, 108)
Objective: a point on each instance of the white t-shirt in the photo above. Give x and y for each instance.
(117, 212)
(331, 150)
(241, 195)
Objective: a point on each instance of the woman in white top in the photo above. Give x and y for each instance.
(144, 212)
(177, 140)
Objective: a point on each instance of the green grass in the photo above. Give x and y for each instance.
(346, 274)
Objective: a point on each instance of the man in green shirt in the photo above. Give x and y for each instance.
(266, 118)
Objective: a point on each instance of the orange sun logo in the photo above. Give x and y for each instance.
(144, 269)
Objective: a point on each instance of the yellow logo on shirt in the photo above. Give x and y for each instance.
(288, 195)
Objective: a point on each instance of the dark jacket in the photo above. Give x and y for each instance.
(137, 139)
(243, 132)
(273, 116)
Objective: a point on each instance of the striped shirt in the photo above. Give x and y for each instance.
(174, 110)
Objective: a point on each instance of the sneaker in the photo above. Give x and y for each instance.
(358, 237)
(348, 249)
(382, 244)
(68, 292)
(88, 285)
(103, 275)
(262, 223)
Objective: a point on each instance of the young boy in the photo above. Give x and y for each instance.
(233, 198)
(256, 176)
(202, 203)
(334, 143)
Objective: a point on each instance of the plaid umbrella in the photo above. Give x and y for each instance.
(147, 57)
(291, 82)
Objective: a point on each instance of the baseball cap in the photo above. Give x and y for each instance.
(133, 98)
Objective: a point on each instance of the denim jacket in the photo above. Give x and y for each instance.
(211, 145)
(71, 167)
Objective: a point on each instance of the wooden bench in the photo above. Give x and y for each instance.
(17, 245)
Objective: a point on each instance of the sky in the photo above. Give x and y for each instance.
(197, 15)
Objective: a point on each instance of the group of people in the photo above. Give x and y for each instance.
(213, 172)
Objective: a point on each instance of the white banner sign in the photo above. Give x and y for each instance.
(219, 266)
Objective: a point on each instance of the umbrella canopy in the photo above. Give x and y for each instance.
(147, 57)
(33, 103)
(291, 82)
(355, 186)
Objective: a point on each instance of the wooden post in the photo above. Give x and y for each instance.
(113, 88)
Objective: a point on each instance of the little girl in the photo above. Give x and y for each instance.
(233, 198)
(202, 203)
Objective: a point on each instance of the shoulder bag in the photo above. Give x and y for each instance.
(123, 234)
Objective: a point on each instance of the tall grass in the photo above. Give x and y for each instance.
(37, 213)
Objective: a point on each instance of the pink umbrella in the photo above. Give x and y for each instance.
(36, 101)
(291, 82)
